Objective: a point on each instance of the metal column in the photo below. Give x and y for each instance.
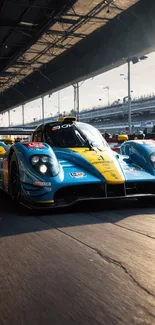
(43, 107)
(9, 120)
(76, 100)
(78, 104)
(108, 89)
(108, 96)
(59, 104)
(74, 86)
(23, 117)
(129, 99)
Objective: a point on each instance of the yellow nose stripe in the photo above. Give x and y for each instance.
(105, 162)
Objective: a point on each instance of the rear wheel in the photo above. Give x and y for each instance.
(14, 177)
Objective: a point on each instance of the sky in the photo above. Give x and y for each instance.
(92, 93)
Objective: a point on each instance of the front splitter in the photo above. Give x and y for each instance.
(44, 205)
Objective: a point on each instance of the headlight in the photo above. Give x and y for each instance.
(45, 165)
(35, 159)
(44, 159)
(43, 169)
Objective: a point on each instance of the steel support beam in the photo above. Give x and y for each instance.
(43, 107)
(91, 17)
(63, 20)
(9, 119)
(23, 115)
(63, 33)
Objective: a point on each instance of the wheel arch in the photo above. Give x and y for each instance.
(11, 153)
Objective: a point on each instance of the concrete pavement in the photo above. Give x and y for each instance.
(82, 266)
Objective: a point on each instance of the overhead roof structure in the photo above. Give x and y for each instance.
(35, 32)
(25, 36)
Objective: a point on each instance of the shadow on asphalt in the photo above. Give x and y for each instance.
(16, 219)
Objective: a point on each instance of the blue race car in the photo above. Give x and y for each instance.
(67, 161)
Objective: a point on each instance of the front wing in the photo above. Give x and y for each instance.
(68, 196)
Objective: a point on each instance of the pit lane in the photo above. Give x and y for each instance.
(81, 266)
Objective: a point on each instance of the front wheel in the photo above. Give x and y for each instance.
(14, 177)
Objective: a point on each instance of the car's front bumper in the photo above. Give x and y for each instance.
(44, 205)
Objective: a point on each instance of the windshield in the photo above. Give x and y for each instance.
(73, 136)
(92, 134)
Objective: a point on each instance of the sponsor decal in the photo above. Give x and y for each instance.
(63, 126)
(132, 170)
(111, 173)
(102, 162)
(100, 158)
(114, 175)
(48, 189)
(42, 183)
(34, 145)
(78, 175)
(56, 128)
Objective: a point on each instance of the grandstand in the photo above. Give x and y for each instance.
(116, 116)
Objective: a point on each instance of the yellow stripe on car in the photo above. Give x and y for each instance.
(49, 201)
(105, 162)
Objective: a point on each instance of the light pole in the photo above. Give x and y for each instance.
(59, 103)
(132, 60)
(108, 88)
(59, 106)
(76, 99)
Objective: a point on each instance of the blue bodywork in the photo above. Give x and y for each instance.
(75, 172)
(139, 153)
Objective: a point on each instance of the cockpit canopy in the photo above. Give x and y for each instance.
(73, 135)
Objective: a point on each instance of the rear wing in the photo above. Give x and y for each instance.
(67, 119)
(16, 131)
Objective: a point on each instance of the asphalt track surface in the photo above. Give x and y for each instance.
(81, 266)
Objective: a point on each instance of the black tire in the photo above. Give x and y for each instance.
(14, 181)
